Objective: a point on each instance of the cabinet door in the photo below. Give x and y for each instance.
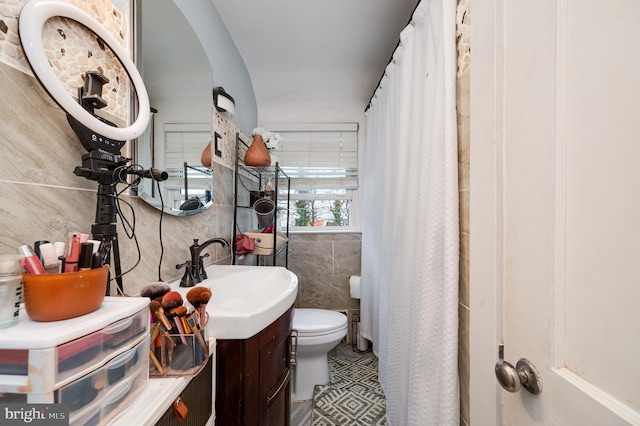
(275, 371)
(237, 382)
(197, 397)
(278, 412)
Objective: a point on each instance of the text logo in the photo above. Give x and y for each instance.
(34, 414)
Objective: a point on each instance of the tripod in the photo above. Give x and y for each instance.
(101, 167)
(104, 230)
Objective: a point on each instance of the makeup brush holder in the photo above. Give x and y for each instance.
(178, 354)
(56, 297)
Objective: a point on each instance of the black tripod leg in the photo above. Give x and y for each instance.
(116, 264)
(110, 245)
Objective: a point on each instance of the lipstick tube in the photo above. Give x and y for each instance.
(31, 262)
(73, 252)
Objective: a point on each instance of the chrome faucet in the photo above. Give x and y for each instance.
(194, 268)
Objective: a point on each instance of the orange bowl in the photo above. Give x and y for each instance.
(55, 297)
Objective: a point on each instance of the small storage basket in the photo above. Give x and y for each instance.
(264, 242)
(56, 297)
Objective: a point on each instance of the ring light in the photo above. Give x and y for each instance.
(32, 18)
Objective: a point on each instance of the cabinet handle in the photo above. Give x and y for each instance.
(283, 383)
(293, 352)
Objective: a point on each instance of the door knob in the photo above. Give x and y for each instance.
(524, 374)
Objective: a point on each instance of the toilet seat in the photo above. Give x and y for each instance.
(318, 322)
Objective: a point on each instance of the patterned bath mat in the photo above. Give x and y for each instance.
(354, 396)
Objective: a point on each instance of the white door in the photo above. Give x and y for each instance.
(555, 209)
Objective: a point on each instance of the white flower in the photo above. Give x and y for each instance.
(269, 138)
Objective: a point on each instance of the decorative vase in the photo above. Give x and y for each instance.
(257, 154)
(205, 158)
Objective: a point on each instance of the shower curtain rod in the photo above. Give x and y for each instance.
(390, 59)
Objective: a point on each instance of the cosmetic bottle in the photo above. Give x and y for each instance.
(86, 256)
(36, 249)
(61, 248)
(10, 289)
(268, 190)
(32, 264)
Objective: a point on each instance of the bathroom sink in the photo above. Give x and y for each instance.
(245, 299)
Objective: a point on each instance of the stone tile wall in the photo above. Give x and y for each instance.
(41, 198)
(324, 263)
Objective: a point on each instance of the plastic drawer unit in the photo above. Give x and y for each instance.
(95, 360)
(97, 385)
(115, 398)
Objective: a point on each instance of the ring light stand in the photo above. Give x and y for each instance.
(102, 139)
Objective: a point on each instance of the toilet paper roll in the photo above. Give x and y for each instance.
(354, 286)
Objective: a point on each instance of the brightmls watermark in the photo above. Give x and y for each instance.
(34, 414)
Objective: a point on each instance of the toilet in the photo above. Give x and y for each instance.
(319, 331)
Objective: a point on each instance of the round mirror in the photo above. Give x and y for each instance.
(178, 77)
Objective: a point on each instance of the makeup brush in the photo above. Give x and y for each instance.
(192, 322)
(199, 297)
(155, 290)
(157, 354)
(178, 322)
(158, 314)
(170, 302)
(193, 296)
(180, 313)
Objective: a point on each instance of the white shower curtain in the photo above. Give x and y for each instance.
(409, 305)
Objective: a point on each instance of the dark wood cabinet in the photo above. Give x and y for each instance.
(197, 398)
(253, 384)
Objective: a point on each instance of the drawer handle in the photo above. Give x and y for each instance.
(122, 358)
(119, 391)
(293, 353)
(283, 383)
(119, 326)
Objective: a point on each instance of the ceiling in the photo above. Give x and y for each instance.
(315, 61)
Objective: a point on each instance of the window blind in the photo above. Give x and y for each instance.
(319, 156)
(185, 143)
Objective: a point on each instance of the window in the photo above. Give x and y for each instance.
(322, 162)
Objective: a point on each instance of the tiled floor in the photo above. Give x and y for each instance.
(301, 411)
